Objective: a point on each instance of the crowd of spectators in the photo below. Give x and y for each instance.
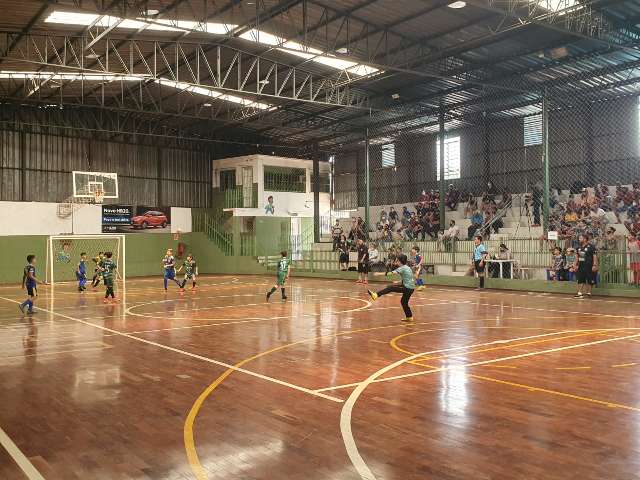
(594, 213)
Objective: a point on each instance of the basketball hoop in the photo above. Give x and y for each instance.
(176, 235)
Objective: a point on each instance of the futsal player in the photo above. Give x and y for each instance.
(190, 272)
(282, 275)
(81, 272)
(169, 264)
(29, 281)
(479, 258)
(406, 286)
(586, 266)
(108, 268)
(417, 266)
(96, 271)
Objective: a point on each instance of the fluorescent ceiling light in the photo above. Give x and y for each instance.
(457, 4)
(308, 53)
(99, 77)
(253, 35)
(555, 5)
(209, 92)
(94, 77)
(86, 19)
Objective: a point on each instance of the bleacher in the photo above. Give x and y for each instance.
(517, 224)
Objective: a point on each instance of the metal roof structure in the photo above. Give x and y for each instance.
(307, 73)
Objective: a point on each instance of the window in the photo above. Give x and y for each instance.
(533, 130)
(227, 180)
(285, 179)
(388, 155)
(451, 158)
(325, 182)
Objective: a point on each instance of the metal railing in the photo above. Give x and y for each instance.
(213, 227)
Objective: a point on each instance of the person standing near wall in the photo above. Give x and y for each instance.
(586, 266)
(479, 256)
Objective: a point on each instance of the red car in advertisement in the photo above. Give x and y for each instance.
(149, 219)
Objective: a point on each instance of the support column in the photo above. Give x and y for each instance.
(22, 139)
(316, 194)
(545, 162)
(367, 182)
(590, 164)
(159, 172)
(441, 135)
(486, 174)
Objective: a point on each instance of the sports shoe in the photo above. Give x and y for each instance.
(358, 281)
(21, 307)
(285, 297)
(578, 295)
(420, 288)
(408, 319)
(268, 296)
(181, 290)
(373, 295)
(31, 312)
(106, 300)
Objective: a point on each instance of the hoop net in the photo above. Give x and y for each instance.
(98, 196)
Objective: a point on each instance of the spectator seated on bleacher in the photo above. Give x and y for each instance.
(446, 238)
(376, 263)
(470, 207)
(343, 255)
(476, 223)
(452, 198)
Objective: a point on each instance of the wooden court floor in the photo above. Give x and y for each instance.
(222, 385)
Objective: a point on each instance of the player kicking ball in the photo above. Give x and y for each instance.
(30, 282)
(284, 270)
(190, 273)
(406, 286)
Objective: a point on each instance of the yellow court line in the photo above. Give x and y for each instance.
(624, 365)
(573, 368)
(519, 385)
(394, 343)
(188, 434)
(554, 392)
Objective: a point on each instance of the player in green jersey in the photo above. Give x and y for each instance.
(190, 272)
(284, 270)
(108, 269)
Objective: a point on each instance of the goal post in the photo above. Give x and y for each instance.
(63, 255)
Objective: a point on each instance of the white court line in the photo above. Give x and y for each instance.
(20, 458)
(347, 410)
(189, 354)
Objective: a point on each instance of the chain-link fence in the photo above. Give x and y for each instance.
(530, 171)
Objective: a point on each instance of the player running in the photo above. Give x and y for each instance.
(169, 265)
(284, 270)
(190, 272)
(29, 281)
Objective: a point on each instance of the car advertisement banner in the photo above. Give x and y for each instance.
(138, 219)
(116, 218)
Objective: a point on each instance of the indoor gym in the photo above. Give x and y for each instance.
(230, 131)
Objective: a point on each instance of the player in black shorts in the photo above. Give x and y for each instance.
(586, 266)
(363, 262)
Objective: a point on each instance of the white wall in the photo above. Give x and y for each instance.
(40, 218)
(181, 220)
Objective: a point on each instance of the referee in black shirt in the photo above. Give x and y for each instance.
(586, 266)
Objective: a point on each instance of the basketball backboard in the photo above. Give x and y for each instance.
(91, 184)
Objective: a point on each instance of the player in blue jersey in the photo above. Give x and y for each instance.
(418, 260)
(29, 281)
(81, 272)
(169, 266)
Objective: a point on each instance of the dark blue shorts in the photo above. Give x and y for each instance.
(169, 273)
(31, 290)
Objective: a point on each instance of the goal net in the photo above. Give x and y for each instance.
(63, 255)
